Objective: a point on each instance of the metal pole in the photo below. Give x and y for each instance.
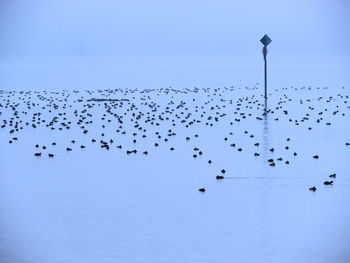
(265, 77)
(265, 41)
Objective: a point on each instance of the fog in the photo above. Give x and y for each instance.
(161, 27)
(130, 107)
(180, 43)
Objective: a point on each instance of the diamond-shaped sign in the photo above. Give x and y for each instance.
(265, 40)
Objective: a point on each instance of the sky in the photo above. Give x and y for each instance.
(155, 27)
(161, 34)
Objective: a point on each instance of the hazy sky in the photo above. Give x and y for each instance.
(184, 43)
(158, 27)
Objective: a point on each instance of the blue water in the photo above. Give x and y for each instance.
(94, 205)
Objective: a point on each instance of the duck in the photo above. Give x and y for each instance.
(201, 190)
(333, 176)
(313, 189)
(328, 183)
(51, 155)
(219, 177)
(37, 154)
(316, 156)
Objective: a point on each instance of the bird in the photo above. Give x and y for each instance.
(315, 156)
(328, 183)
(333, 176)
(219, 177)
(201, 190)
(313, 189)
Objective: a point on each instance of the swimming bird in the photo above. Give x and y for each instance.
(328, 183)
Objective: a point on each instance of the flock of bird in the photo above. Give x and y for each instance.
(152, 115)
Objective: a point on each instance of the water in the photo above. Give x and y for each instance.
(94, 205)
